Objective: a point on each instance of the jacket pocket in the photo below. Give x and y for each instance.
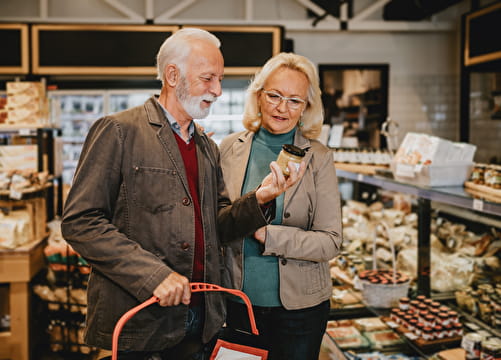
(152, 188)
(316, 279)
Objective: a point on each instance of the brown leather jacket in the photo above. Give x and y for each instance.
(130, 214)
(311, 232)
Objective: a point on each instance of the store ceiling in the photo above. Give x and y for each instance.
(393, 10)
(294, 15)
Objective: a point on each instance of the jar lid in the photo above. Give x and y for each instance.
(294, 150)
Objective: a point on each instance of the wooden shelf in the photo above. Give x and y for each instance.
(17, 268)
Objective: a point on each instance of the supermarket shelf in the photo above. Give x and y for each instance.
(456, 196)
(24, 130)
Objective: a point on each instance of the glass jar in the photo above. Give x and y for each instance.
(453, 316)
(418, 331)
(438, 332)
(428, 333)
(443, 318)
(288, 153)
(435, 304)
(429, 320)
(413, 305)
(412, 324)
(394, 315)
(404, 304)
(458, 329)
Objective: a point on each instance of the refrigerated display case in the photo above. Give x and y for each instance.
(74, 111)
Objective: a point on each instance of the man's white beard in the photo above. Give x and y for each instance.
(192, 104)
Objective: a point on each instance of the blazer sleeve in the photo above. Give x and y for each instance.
(240, 217)
(317, 238)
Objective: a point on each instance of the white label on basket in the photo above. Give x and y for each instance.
(478, 205)
(360, 177)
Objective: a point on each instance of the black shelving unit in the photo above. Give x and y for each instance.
(45, 139)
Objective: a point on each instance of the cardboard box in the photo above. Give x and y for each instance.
(427, 160)
(448, 174)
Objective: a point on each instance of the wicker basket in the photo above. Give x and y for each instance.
(384, 295)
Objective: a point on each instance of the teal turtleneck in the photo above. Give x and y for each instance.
(260, 274)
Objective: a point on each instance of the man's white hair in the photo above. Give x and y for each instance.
(176, 48)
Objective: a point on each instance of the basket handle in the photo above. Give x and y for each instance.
(392, 248)
(195, 287)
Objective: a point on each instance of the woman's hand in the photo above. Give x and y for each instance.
(276, 183)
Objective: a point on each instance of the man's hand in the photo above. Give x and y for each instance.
(275, 183)
(173, 290)
(260, 235)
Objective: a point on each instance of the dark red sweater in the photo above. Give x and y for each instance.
(189, 154)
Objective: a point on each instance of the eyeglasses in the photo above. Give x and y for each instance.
(293, 103)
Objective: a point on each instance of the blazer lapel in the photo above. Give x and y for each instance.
(240, 155)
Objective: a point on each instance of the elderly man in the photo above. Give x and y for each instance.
(148, 207)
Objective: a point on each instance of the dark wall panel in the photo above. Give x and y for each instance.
(482, 35)
(14, 49)
(99, 48)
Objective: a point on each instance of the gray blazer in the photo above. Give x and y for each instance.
(310, 234)
(130, 214)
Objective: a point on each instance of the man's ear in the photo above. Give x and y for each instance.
(171, 74)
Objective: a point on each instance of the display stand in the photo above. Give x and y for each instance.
(17, 268)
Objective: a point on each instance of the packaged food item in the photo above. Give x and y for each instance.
(472, 343)
(404, 303)
(384, 338)
(491, 349)
(289, 153)
(370, 324)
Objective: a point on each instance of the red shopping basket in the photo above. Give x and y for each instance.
(223, 349)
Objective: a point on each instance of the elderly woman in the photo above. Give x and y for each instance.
(283, 267)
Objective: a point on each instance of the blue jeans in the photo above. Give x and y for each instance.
(190, 348)
(286, 334)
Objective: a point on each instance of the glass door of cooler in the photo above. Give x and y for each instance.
(74, 111)
(226, 113)
(119, 100)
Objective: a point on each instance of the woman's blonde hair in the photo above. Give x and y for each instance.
(313, 114)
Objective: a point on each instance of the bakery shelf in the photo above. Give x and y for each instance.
(456, 196)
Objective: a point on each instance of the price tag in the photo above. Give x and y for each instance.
(24, 132)
(14, 194)
(411, 336)
(478, 204)
(392, 324)
(360, 177)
